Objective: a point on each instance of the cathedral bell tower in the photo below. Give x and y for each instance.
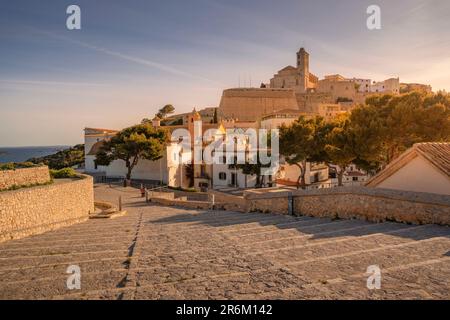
(303, 69)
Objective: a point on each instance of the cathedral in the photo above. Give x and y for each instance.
(297, 78)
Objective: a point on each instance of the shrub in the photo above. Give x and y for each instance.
(26, 164)
(17, 165)
(63, 173)
(7, 166)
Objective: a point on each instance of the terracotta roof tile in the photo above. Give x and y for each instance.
(438, 153)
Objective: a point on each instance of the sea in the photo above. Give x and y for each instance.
(20, 154)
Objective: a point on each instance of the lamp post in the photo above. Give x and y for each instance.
(160, 172)
(180, 155)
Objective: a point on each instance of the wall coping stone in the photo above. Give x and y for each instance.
(420, 197)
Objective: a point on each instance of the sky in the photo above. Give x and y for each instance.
(132, 57)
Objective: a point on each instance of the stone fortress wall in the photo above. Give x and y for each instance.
(24, 177)
(34, 210)
(248, 104)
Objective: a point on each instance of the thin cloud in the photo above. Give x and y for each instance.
(129, 58)
(44, 83)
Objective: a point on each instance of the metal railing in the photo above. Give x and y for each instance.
(119, 180)
(327, 185)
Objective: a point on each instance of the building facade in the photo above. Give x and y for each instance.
(423, 168)
(297, 78)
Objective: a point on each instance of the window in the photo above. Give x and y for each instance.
(203, 170)
(355, 178)
(316, 177)
(222, 176)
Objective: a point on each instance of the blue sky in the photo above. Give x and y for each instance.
(132, 57)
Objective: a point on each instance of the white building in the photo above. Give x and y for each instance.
(166, 170)
(316, 175)
(277, 119)
(391, 85)
(364, 85)
(353, 176)
(225, 173)
(423, 168)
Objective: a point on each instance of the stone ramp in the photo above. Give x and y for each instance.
(170, 253)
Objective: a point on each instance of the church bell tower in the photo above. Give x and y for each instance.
(303, 69)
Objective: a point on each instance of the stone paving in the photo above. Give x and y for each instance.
(172, 253)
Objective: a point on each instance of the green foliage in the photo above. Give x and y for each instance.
(8, 166)
(164, 111)
(391, 124)
(372, 135)
(141, 141)
(62, 159)
(177, 122)
(340, 145)
(17, 187)
(303, 141)
(343, 99)
(16, 165)
(63, 173)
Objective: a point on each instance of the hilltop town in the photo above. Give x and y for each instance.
(360, 190)
(291, 93)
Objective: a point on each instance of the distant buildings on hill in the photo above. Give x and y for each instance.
(292, 92)
(297, 88)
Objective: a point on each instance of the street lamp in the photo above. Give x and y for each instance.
(180, 155)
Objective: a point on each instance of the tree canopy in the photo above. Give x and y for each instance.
(371, 136)
(301, 142)
(391, 124)
(132, 144)
(166, 110)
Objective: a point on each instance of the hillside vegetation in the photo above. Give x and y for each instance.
(62, 159)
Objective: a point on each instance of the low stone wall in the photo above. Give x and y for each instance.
(228, 202)
(358, 202)
(268, 204)
(40, 209)
(161, 195)
(24, 177)
(347, 202)
(182, 202)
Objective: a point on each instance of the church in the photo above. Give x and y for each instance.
(297, 78)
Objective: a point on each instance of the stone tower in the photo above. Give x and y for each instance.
(303, 69)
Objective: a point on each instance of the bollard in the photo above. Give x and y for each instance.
(212, 201)
(290, 204)
(120, 203)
